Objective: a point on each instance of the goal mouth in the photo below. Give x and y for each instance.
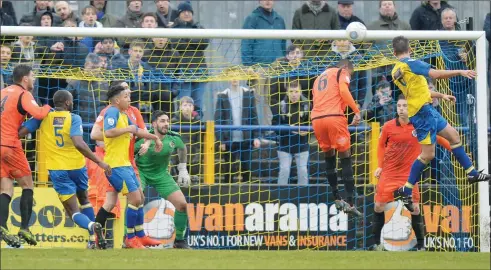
(247, 204)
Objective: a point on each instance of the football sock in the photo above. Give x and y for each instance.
(82, 221)
(26, 208)
(88, 211)
(180, 222)
(416, 170)
(4, 209)
(419, 229)
(349, 181)
(332, 176)
(139, 223)
(463, 159)
(102, 217)
(131, 217)
(378, 224)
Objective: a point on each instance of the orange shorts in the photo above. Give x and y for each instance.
(386, 187)
(332, 133)
(14, 163)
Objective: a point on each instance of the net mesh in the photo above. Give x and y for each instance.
(258, 200)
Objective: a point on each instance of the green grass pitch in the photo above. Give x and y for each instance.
(224, 259)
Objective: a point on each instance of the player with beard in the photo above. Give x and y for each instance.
(154, 171)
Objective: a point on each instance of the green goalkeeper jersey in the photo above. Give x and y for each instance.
(154, 164)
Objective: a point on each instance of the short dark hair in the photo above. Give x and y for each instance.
(380, 2)
(114, 90)
(292, 48)
(293, 85)
(345, 62)
(383, 84)
(156, 115)
(400, 44)
(60, 97)
(73, 21)
(20, 72)
(115, 83)
(149, 14)
(401, 97)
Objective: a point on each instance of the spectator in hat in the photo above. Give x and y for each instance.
(192, 53)
(315, 15)
(6, 19)
(165, 14)
(428, 15)
(345, 13)
(105, 18)
(133, 16)
(263, 51)
(40, 7)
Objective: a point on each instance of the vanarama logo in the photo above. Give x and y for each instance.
(398, 235)
(269, 217)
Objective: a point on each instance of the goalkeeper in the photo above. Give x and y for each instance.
(154, 171)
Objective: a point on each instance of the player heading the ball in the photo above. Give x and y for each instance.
(410, 76)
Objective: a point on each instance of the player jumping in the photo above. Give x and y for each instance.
(154, 171)
(111, 195)
(117, 137)
(397, 149)
(331, 95)
(409, 76)
(61, 133)
(16, 102)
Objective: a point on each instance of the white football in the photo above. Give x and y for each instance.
(356, 31)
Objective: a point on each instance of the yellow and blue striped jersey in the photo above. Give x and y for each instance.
(409, 75)
(56, 131)
(117, 149)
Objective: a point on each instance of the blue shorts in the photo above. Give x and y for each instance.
(67, 182)
(123, 179)
(427, 123)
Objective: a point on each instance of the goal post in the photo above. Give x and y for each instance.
(482, 124)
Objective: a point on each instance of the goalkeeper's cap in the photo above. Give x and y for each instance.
(184, 6)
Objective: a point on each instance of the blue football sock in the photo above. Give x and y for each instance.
(131, 218)
(88, 211)
(82, 221)
(139, 223)
(463, 159)
(416, 170)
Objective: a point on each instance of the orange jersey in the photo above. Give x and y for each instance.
(16, 103)
(331, 94)
(135, 117)
(398, 148)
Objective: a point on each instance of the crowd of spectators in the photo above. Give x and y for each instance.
(286, 98)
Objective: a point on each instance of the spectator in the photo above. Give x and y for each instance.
(46, 46)
(192, 52)
(107, 49)
(315, 15)
(23, 51)
(6, 67)
(46, 19)
(87, 94)
(389, 19)
(40, 8)
(185, 117)
(428, 15)
(487, 28)
(89, 20)
(345, 13)
(8, 9)
(344, 49)
(165, 14)
(383, 106)
(105, 18)
(293, 111)
(64, 11)
(72, 53)
(237, 106)
(5, 19)
(133, 16)
(263, 51)
(149, 20)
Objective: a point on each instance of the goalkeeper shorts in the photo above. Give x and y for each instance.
(385, 190)
(164, 183)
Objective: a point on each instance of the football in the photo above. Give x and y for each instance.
(356, 31)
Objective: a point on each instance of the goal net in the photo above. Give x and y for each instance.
(258, 175)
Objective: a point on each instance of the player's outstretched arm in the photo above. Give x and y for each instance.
(96, 133)
(116, 132)
(30, 106)
(83, 148)
(445, 74)
(143, 133)
(443, 96)
(29, 126)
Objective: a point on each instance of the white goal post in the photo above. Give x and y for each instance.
(477, 36)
